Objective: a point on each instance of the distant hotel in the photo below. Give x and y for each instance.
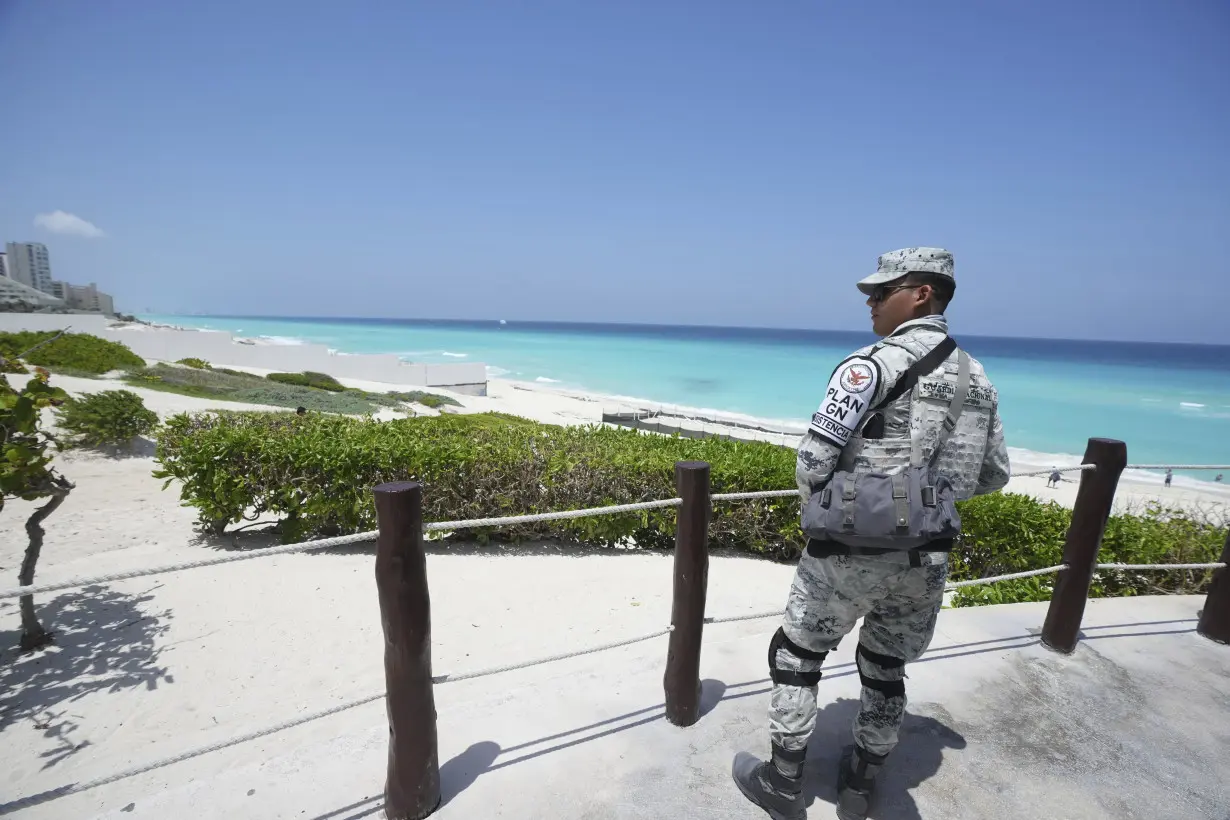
(29, 265)
(25, 279)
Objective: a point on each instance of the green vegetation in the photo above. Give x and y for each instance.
(426, 399)
(317, 473)
(26, 473)
(233, 385)
(8, 365)
(307, 378)
(81, 352)
(110, 418)
(192, 361)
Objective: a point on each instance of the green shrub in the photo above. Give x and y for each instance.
(112, 417)
(306, 397)
(322, 381)
(233, 385)
(199, 364)
(80, 351)
(425, 399)
(318, 472)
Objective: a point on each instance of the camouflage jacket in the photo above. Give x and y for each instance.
(975, 458)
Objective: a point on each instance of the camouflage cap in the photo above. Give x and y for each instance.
(896, 264)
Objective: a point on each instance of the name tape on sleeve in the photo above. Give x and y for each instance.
(846, 399)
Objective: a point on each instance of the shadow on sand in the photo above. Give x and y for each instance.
(918, 757)
(103, 641)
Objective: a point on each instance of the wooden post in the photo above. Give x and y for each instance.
(682, 679)
(1215, 619)
(1080, 550)
(412, 789)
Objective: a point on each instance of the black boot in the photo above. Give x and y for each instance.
(855, 782)
(765, 785)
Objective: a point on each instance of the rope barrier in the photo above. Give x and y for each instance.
(213, 747)
(1012, 576)
(754, 616)
(751, 495)
(64, 791)
(438, 526)
(494, 670)
(995, 579)
(1178, 467)
(480, 673)
(307, 546)
(551, 516)
(1078, 469)
(1214, 565)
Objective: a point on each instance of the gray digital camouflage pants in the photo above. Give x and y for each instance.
(899, 605)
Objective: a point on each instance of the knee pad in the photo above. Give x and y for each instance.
(890, 688)
(790, 677)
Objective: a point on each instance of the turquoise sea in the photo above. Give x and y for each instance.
(1170, 403)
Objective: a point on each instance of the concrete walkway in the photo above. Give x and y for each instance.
(1134, 724)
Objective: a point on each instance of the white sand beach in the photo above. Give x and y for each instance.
(151, 667)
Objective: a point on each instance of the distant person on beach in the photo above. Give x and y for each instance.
(906, 427)
(1054, 479)
(1169, 476)
(1218, 478)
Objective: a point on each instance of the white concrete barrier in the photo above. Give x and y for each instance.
(220, 348)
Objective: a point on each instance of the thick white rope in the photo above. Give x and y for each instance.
(751, 495)
(494, 670)
(773, 613)
(1081, 468)
(1178, 466)
(1012, 576)
(64, 791)
(551, 516)
(437, 526)
(1215, 565)
(324, 543)
(308, 546)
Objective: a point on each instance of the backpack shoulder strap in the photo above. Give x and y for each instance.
(933, 359)
(955, 406)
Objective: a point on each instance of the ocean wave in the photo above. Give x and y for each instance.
(545, 380)
(494, 372)
(285, 341)
(1191, 404)
(419, 354)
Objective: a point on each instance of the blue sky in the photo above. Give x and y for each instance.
(725, 163)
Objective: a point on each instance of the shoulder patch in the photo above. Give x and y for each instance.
(849, 393)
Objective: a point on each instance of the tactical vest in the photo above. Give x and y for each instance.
(883, 441)
(913, 455)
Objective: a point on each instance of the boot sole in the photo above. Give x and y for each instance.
(776, 815)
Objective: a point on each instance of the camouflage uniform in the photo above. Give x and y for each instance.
(898, 600)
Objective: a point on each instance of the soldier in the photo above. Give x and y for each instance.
(885, 407)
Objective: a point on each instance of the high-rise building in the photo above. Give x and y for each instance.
(84, 298)
(4, 271)
(28, 264)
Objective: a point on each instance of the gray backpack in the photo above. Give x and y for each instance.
(894, 512)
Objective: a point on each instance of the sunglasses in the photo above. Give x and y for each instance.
(881, 292)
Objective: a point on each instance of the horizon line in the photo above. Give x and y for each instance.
(652, 325)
